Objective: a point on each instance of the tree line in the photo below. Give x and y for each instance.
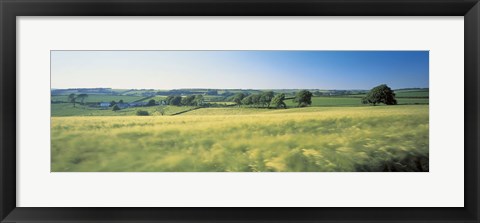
(267, 99)
(190, 100)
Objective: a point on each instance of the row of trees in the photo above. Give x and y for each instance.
(269, 99)
(73, 98)
(266, 99)
(191, 100)
(379, 94)
(260, 100)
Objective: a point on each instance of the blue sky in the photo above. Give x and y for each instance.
(239, 69)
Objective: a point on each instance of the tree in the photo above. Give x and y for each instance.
(247, 100)
(253, 100)
(278, 101)
(266, 98)
(174, 100)
(82, 97)
(188, 100)
(121, 101)
(112, 103)
(151, 102)
(303, 98)
(237, 98)
(256, 99)
(168, 99)
(198, 100)
(115, 108)
(380, 94)
(72, 98)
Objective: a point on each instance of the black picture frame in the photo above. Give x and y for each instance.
(10, 9)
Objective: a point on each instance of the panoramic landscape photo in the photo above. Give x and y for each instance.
(239, 111)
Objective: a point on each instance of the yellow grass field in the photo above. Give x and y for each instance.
(368, 138)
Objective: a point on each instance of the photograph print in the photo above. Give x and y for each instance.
(239, 111)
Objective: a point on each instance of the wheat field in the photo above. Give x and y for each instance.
(369, 138)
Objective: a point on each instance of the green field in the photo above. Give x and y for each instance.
(414, 93)
(156, 98)
(362, 138)
(66, 109)
(352, 101)
(99, 98)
